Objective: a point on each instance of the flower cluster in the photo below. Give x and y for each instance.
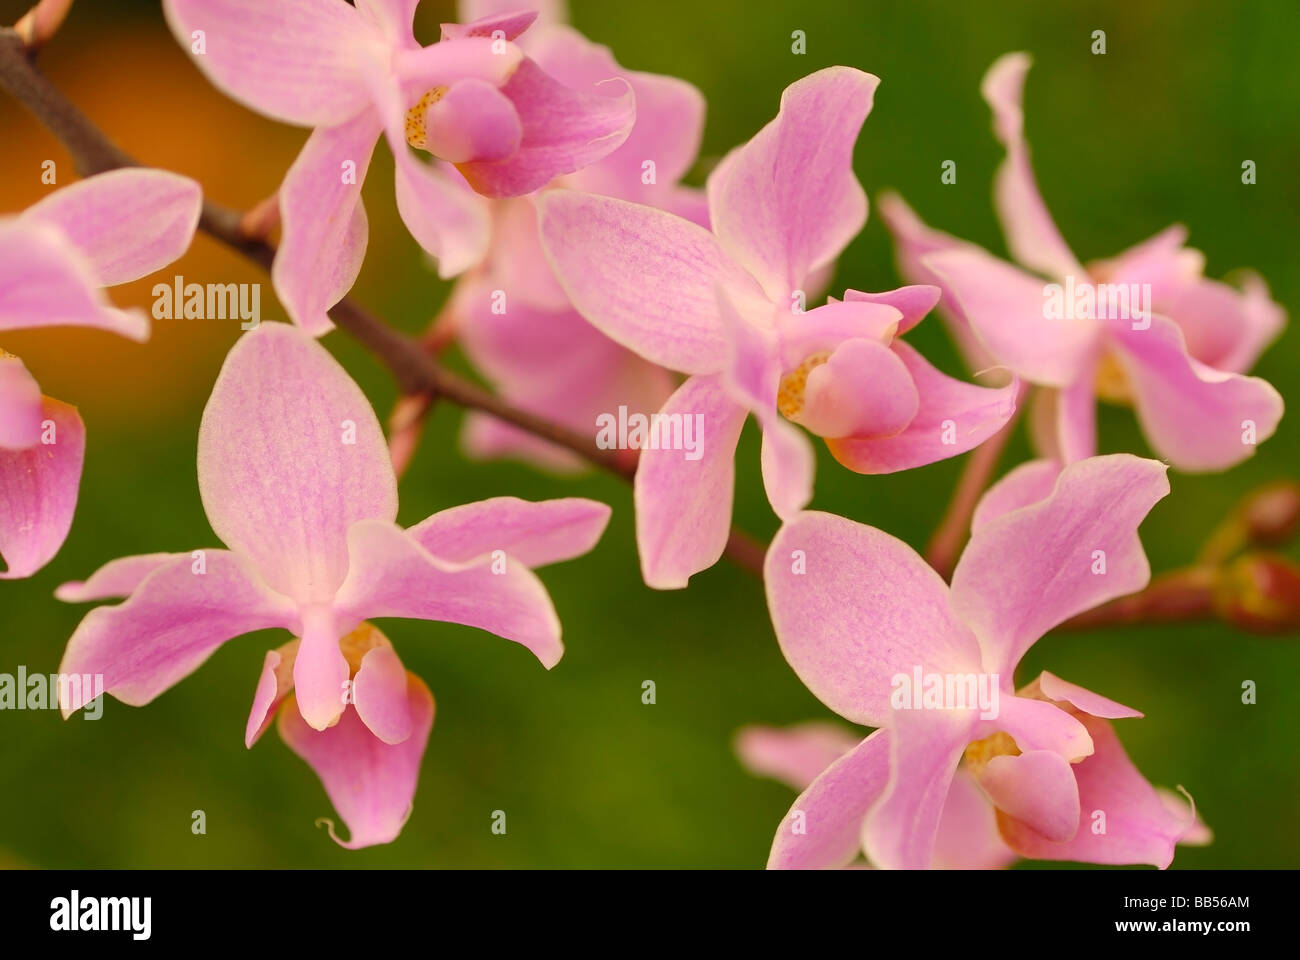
(590, 279)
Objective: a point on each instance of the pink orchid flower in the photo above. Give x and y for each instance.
(55, 258)
(295, 479)
(1145, 328)
(967, 837)
(356, 73)
(864, 621)
(725, 307)
(515, 322)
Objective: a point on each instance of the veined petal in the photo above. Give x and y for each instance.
(824, 826)
(643, 277)
(1161, 261)
(913, 302)
(371, 783)
(115, 579)
(913, 242)
(552, 363)
(534, 533)
(795, 755)
(901, 831)
(447, 220)
(1008, 310)
(126, 223)
(683, 506)
(1094, 704)
(1026, 483)
(1037, 566)
(299, 61)
(175, 619)
(1139, 827)
(21, 405)
(669, 119)
(396, 17)
(273, 686)
(562, 130)
(1076, 418)
(46, 282)
(324, 221)
(853, 608)
(952, 417)
(1032, 237)
(38, 491)
(788, 463)
(1197, 417)
(787, 202)
(392, 575)
(968, 837)
(290, 456)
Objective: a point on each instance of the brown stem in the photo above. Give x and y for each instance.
(950, 536)
(1180, 596)
(408, 362)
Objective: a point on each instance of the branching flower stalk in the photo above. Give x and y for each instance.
(407, 360)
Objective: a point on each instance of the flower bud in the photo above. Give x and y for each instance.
(1271, 514)
(1260, 593)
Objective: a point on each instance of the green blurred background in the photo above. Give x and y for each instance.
(1152, 133)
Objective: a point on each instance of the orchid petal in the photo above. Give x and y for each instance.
(298, 61)
(38, 491)
(1008, 310)
(173, 621)
(562, 130)
(823, 828)
(290, 455)
(796, 755)
(115, 579)
(324, 221)
(947, 410)
(371, 783)
(787, 202)
(535, 534)
(126, 223)
(1037, 566)
(46, 282)
(643, 277)
(1196, 417)
(391, 575)
(853, 607)
(1032, 237)
(683, 506)
(21, 405)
